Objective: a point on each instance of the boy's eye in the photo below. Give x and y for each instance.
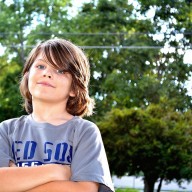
(40, 66)
(60, 71)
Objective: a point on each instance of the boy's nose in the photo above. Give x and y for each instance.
(48, 73)
(49, 76)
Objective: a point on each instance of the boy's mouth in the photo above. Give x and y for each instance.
(44, 83)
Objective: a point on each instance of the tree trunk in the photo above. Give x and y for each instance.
(149, 185)
(160, 184)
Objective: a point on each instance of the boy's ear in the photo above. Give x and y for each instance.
(26, 73)
(72, 93)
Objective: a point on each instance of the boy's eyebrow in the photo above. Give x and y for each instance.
(41, 60)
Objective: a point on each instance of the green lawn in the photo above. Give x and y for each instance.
(126, 190)
(133, 190)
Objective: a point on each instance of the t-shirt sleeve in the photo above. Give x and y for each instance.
(5, 148)
(89, 161)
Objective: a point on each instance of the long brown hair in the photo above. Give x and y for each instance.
(62, 54)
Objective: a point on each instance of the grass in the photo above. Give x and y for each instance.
(126, 190)
(135, 190)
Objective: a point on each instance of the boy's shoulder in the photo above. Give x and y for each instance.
(85, 127)
(82, 121)
(14, 121)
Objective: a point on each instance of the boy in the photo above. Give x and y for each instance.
(54, 86)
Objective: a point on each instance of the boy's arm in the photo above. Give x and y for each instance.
(67, 186)
(14, 179)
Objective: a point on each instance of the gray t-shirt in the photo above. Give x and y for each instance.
(77, 143)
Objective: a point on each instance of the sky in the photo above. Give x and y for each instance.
(77, 4)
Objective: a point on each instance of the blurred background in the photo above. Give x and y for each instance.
(140, 54)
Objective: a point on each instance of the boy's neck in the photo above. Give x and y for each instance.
(54, 114)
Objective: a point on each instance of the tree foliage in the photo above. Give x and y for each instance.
(9, 93)
(155, 141)
(135, 72)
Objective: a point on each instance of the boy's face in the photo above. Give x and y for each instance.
(48, 84)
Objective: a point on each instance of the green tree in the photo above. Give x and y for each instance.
(116, 67)
(9, 92)
(23, 24)
(172, 24)
(155, 141)
(129, 67)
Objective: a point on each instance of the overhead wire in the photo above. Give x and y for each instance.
(101, 34)
(103, 47)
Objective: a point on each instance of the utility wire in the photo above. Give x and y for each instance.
(121, 47)
(101, 33)
(102, 47)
